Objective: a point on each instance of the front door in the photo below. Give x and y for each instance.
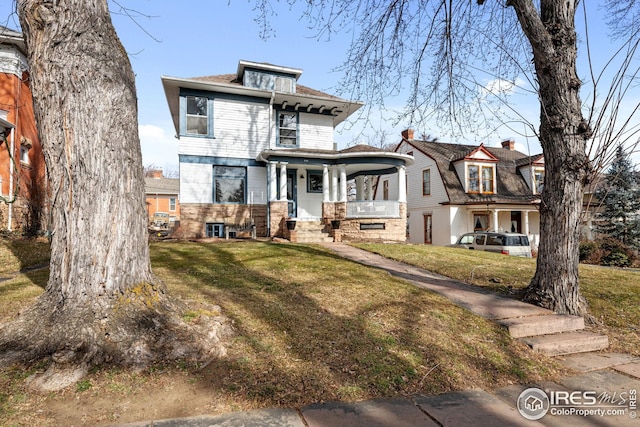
(516, 222)
(292, 193)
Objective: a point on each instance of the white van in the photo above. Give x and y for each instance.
(514, 244)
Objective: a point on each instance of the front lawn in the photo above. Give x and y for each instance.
(309, 327)
(613, 294)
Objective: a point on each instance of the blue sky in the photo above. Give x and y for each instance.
(203, 37)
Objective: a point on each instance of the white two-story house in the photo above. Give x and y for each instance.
(256, 148)
(453, 189)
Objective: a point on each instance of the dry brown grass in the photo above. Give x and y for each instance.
(309, 327)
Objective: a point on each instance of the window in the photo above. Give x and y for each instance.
(480, 222)
(214, 229)
(538, 177)
(287, 129)
(24, 154)
(487, 179)
(284, 84)
(477, 183)
(426, 182)
(229, 184)
(314, 181)
(197, 122)
(474, 179)
(385, 190)
(172, 203)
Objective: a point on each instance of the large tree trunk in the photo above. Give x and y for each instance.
(563, 135)
(102, 302)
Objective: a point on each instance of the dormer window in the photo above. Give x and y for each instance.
(267, 80)
(538, 179)
(480, 179)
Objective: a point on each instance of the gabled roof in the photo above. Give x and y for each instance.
(510, 185)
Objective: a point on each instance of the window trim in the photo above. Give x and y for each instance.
(173, 201)
(278, 127)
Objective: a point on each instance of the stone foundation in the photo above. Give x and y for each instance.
(193, 218)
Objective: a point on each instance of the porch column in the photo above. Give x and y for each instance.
(334, 184)
(360, 187)
(402, 184)
(526, 222)
(369, 187)
(343, 183)
(325, 183)
(495, 220)
(273, 182)
(283, 182)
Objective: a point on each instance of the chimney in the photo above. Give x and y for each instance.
(509, 144)
(156, 173)
(407, 134)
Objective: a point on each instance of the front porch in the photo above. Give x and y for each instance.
(336, 189)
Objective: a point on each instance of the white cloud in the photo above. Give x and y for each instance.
(159, 147)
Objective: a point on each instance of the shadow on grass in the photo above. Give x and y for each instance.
(312, 326)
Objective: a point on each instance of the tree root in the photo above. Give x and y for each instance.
(134, 330)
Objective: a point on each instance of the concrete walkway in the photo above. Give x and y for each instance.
(611, 379)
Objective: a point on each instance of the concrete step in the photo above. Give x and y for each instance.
(314, 239)
(567, 343)
(542, 325)
(309, 226)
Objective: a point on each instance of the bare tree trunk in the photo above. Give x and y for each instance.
(563, 135)
(102, 302)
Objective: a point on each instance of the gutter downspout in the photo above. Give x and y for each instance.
(11, 172)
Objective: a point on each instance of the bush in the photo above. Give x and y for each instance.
(589, 252)
(606, 251)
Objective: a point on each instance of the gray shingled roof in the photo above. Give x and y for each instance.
(162, 185)
(511, 186)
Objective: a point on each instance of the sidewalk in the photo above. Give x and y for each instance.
(617, 375)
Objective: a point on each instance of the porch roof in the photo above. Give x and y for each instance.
(359, 160)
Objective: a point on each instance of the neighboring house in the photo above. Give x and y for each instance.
(162, 195)
(22, 168)
(256, 148)
(454, 189)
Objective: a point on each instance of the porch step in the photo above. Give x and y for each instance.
(311, 232)
(567, 343)
(542, 325)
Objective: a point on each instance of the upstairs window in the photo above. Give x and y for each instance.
(426, 182)
(284, 84)
(487, 179)
(538, 178)
(480, 179)
(287, 129)
(197, 120)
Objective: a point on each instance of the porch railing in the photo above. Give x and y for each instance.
(373, 209)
